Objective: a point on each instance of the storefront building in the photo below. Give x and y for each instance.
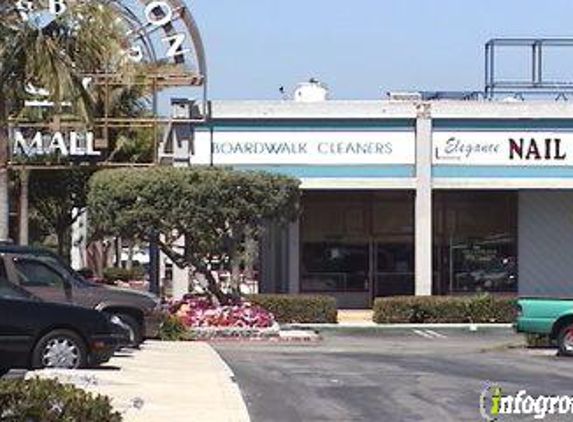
(408, 197)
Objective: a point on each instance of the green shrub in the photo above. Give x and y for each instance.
(37, 400)
(289, 309)
(172, 329)
(112, 274)
(444, 309)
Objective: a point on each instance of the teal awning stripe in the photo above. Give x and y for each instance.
(503, 124)
(502, 171)
(329, 171)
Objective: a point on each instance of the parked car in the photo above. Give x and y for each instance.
(552, 317)
(49, 277)
(35, 334)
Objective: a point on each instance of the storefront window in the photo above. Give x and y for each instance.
(335, 267)
(475, 242)
(358, 242)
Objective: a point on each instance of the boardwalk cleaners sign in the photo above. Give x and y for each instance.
(302, 147)
(504, 148)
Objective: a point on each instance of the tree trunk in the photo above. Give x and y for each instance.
(236, 276)
(64, 237)
(96, 257)
(129, 264)
(213, 286)
(24, 202)
(61, 235)
(4, 179)
(187, 260)
(118, 252)
(235, 255)
(251, 254)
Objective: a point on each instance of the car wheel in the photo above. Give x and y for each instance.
(135, 332)
(60, 349)
(565, 341)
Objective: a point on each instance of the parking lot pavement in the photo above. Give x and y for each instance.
(407, 375)
(165, 381)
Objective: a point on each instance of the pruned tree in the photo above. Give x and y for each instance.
(212, 210)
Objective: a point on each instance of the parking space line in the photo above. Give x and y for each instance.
(430, 334)
(424, 334)
(436, 334)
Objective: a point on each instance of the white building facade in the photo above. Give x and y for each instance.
(408, 197)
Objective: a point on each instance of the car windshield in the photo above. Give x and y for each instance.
(58, 264)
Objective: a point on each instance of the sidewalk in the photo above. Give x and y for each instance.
(355, 316)
(165, 381)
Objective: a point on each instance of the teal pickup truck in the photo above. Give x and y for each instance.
(548, 316)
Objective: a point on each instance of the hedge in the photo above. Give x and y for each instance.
(172, 329)
(445, 309)
(39, 400)
(289, 309)
(113, 274)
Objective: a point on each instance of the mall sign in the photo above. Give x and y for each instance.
(157, 14)
(72, 144)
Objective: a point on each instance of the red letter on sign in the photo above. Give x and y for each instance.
(515, 149)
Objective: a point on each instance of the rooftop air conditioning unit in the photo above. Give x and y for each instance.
(405, 96)
(311, 92)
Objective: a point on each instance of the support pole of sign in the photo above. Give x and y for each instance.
(4, 179)
(24, 200)
(154, 264)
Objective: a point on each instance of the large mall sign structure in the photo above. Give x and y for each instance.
(161, 32)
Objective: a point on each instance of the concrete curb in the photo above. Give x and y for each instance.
(284, 336)
(371, 326)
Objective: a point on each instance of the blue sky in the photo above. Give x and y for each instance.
(363, 48)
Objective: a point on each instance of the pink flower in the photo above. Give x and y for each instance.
(199, 312)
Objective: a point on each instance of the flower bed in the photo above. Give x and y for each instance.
(203, 320)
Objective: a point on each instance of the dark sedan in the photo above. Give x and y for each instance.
(49, 277)
(36, 334)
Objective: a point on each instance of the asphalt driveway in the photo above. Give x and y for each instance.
(414, 375)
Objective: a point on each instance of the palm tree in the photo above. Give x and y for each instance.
(86, 38)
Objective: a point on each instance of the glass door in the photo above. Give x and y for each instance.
(335, 266)
(394, 268)
(393, 245)
(357, 245)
